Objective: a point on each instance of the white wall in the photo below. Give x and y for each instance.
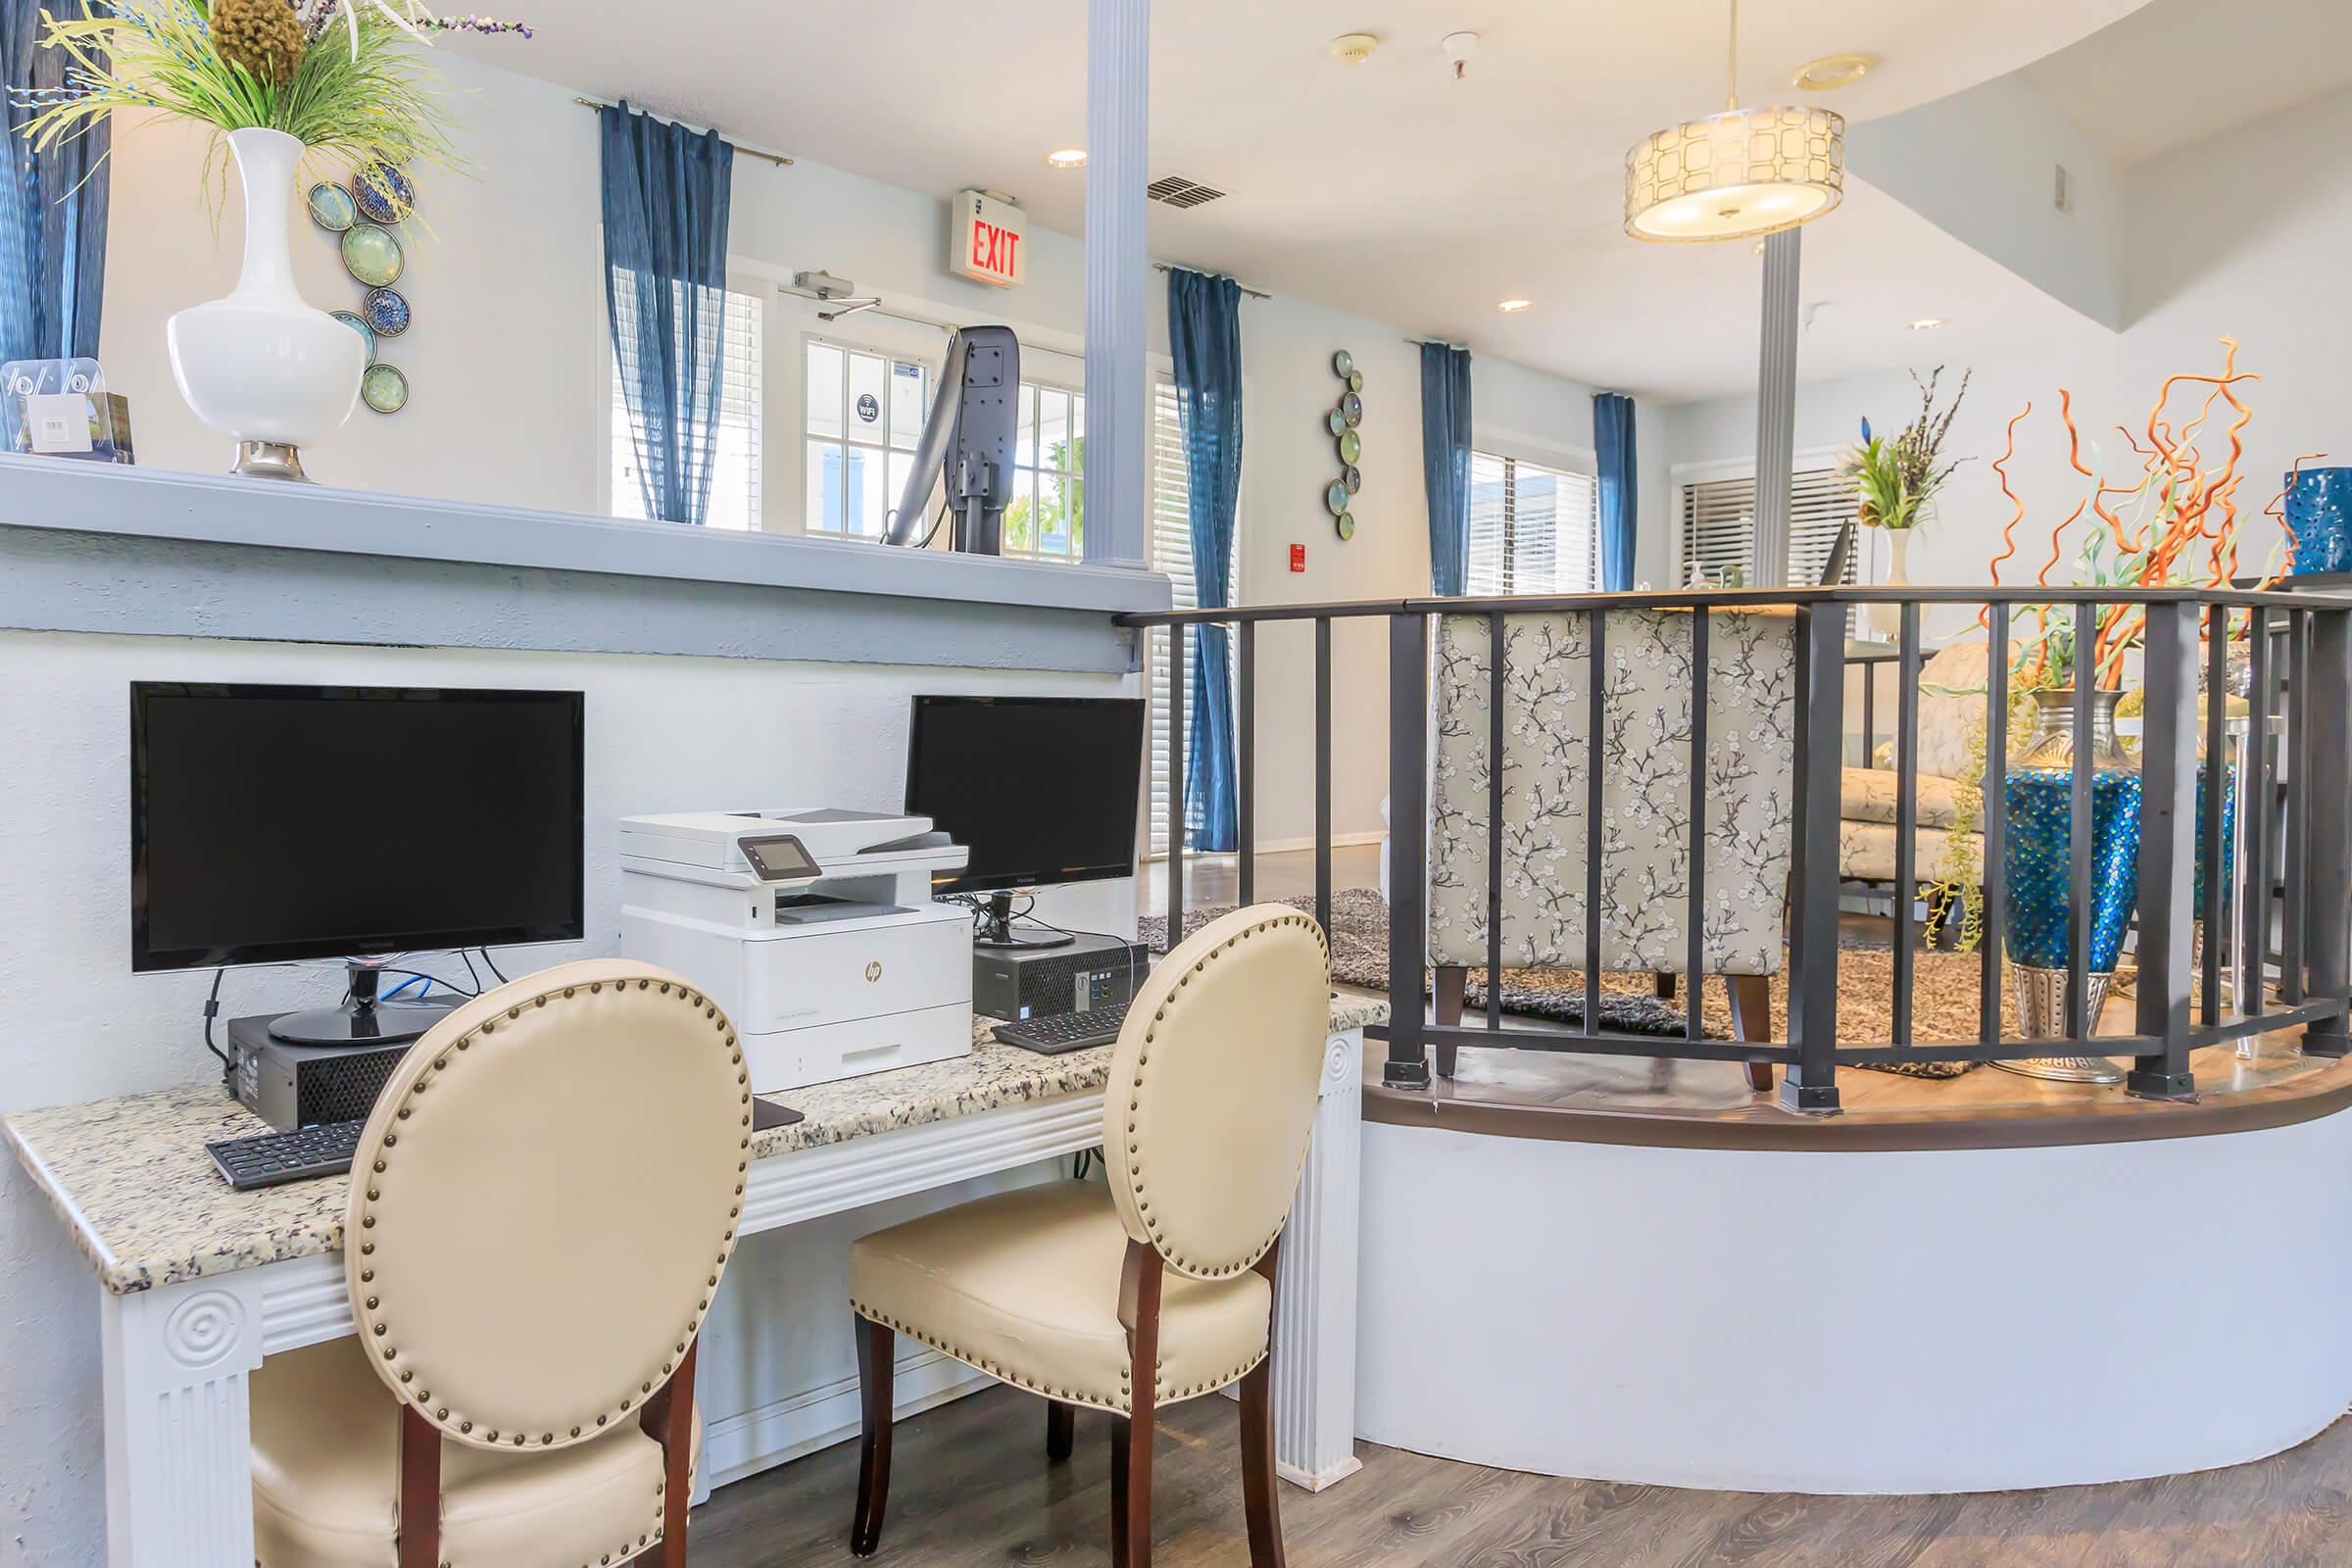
(2242, 235)
(664, 734)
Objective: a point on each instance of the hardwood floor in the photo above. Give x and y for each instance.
(970, 1486)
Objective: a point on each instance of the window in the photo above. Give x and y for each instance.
(735, 464)
(1171, 551)
(1533, 530)
(1718, 525)
(1046, 520)
(863, 417)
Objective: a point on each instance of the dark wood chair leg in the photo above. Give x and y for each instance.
(668, 1419)
(1451, 984)
(876, 1346)
(1061, 1430)
(419, 1491)
(1664, 986)
(1751, 1021)
(1131, 1440)
(1259, 1480)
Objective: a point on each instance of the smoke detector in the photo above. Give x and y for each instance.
(1354, 48)
(1458, 47)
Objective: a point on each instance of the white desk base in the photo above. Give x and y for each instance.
(179, 1449)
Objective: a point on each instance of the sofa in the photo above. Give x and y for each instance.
(1951, 733)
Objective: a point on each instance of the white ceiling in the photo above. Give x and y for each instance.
(1388, 190)
(2176, 72)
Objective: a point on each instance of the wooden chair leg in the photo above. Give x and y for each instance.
(419, 1491)
(1258, 1503)
(1131, 1440)
(1664, 985)
(876, 1346)
(1451, 984)
(1751, 1021)
(1061, 1430)
(668, 1419)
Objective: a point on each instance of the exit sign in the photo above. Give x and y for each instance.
(991, 240)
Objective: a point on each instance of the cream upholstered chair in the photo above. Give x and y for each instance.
(1646, 786)
(1951, 738)
(1068, 1288)
(541, 1207)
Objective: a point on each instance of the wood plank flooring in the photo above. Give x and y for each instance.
(970, 1488)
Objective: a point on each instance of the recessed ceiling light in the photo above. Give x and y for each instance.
(1833, 70)
(1513, 306)
(1354, 48)
(1066, 158)
(1926, 323)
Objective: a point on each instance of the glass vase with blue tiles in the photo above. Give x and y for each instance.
(2039, 792)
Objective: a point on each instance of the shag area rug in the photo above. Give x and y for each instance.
(1944, 986)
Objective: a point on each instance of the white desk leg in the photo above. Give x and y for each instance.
(178, 1450)
(1314, 1304)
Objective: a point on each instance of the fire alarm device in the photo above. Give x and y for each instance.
(1298, 557)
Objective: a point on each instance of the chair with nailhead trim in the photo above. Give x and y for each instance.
(1066, 1288)
(541, 1207)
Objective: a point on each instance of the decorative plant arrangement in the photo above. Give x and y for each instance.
(1896, 478)
(279, 82)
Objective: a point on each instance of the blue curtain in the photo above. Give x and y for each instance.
(1445, 462)
(52, 206)
(1613, 445)
(1204, 338)
(665, 295)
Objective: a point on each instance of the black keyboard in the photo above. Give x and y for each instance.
(1064, 1031)
(268, 1158)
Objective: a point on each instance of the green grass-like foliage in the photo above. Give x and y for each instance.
(356, 105)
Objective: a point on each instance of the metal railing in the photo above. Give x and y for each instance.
(2300, 734)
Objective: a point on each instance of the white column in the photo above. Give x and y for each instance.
(1775, 408)
(179, 1449)
(1314, 1297)
(1118, 72)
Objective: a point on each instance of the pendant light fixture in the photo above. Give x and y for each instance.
(1735, 174)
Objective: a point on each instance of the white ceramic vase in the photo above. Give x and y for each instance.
(1887, 620)
(260, 365)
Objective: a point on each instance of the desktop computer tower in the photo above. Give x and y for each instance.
(1043, 982)
(292, 1087)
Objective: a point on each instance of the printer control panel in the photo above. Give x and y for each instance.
(779, 858)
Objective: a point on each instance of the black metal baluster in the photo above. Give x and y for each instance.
(2079, 807)
(1595, 799)
(1992, 815)
(1245, 795)
(1496, 649)
(1870, 713)
(2216, 798)
(2254, 943)
(1176, 747)
(1323, 767)
(1906, 811)
(2167, 860)
(1408, 848)
(1694, 939)
(2327, 947)
(2297, 748)
(1811, 1081)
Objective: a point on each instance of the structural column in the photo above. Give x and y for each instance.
(1118, 70)
(1776, 408)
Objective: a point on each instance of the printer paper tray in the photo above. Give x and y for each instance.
(793, 1059)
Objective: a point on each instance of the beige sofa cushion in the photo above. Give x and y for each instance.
(1868, 795)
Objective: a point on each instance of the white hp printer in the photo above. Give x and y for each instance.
(812, 927)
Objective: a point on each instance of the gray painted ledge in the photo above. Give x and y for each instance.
(95, 549)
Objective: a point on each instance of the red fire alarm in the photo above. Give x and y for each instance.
(1298, 557)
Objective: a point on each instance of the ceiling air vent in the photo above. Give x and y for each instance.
(1177, 191)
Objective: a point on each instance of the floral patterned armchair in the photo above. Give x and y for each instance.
(1645, 887)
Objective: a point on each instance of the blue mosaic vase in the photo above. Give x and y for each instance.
(2318, 508)
(2039, 792)
(2229, 839)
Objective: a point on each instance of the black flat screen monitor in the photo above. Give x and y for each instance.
(269, 823)
(1037, 789)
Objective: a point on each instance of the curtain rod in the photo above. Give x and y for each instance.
(777, 159)
(1253, 293)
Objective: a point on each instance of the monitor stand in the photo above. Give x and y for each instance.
(361, 1020)
(995, 928)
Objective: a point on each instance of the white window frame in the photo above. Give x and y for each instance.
(612, 411)
(1074, 389)
(808, 341)
(1869, 557)
(1513, 448)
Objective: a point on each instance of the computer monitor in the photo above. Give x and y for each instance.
(1039, 790)
(273, 823)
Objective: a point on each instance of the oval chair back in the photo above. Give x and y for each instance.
(1212, 1090)
(544, 1201)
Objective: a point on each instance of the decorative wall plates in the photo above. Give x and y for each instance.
(384, 193)
(1355, 381)
(1343, 420)
(1351, 409)
(1337, 420)
(1335, 497)
(1354, 479)
(357, 324)
(1342, 364)
(386, 309)
(331, 207)
(384, 389)
(1344, 523)
(1351, 447)
(371, 255)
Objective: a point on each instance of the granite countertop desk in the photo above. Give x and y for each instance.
(132, 1182)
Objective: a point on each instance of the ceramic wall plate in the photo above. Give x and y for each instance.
(371, 255)
(1354, 479)
(1355, 381)
(1335, 497)
(384, 389)
(1337, 420)
(357, 324)
(387, 310)
(1351, 447)
(1351, 409)
(1343, 364)
(383, 194)
(1344, 523)
(331, 207)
